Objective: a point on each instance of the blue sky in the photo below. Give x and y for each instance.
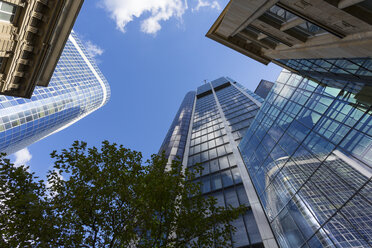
(152, 52)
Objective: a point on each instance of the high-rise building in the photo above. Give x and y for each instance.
(309, 155)
(32, 36)
(304, 165)
(207, 130)
(76, 89)
(321, 39)
(308, 151)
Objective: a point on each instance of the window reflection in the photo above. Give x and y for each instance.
(311, 170)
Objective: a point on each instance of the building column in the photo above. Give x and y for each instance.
(263, 225)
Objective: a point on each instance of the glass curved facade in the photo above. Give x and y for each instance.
(175, 141)
(309, 155)
(76, 89)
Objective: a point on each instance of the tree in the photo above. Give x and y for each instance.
(176, 214)
(109, 198)
(26, 219)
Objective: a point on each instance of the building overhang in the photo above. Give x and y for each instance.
(252, 28)
(224, 37)
(59, 35)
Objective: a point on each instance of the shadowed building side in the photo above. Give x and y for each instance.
(320, 39)
(33, 34)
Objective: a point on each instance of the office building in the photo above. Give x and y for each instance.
(76, 89)
(32, 36)
(309, 155)
(321, 39)
(301, 159)
(308, 151)
(207, 130)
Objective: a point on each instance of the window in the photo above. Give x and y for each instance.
(277, 16)
(7, 11)
(281, 13)
(312, 29)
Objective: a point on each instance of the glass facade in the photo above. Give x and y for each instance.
(309, 155)
(264, 88)
(221, 113)
(76, 89)
(211, 148)
(175, 141)
(342, 70)
(238, 110)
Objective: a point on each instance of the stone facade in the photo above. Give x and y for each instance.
(32, 36)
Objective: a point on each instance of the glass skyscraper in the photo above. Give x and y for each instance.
(308, 151)
(301, 159)
(207, 130)
(309, 155)
(76, 89)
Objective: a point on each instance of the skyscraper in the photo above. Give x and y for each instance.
(207, 130)
(76, 89)
(309, 155)
(309, 150)
(304, 165)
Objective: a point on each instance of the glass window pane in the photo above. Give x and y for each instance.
(254, 234)
(5, 17)
(214, 165)
(216, 182)
(240, 236)
(224, 163)
(205, 170)
(212, 153)
(243, 199)
(231, 198)
(8, 7)
(236, 175)
(206, 187)
(227, 178)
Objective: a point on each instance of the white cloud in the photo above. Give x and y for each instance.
(124, 11)
(204, 3)
(22, 157)
(92, 49)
